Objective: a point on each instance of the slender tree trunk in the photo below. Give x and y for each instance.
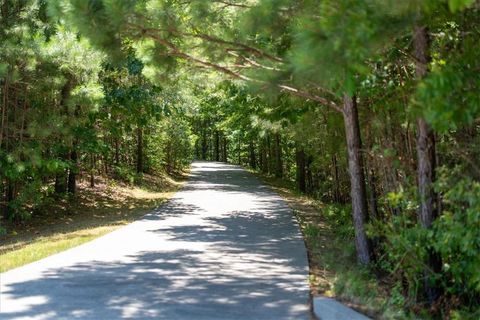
(225, 145)
(9, 197)
(357, 177)
(117, 151)
(425, 138)
(92, 170)
(5, 206)
(204, 144)
(168, 159)
(426, 160)
(72, 174)
(300, 160)
(239, 154)
(309, 174)
(336, 182)
(372, 182)
(62, 176)
(4, 109)
(217, 146)
(278, 156)
(139, 150)
(271, 155)
(253, 158)
(264, 156)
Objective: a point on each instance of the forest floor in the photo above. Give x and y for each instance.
(93, 212)
(333, 269)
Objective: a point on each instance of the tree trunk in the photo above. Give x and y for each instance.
(309, 174)
(204, 144)
(9, 197)
(425, 138)
(72, 174)
(336, 182)
(217, 146)
(426, 161)
(225, 159)
(278, 157)
(270, 155)
(139, 150)
(4, 109)
(117, 151)
(61, 181)
(357, 178)
(92, 170)
(372, 182)
(239, 154)
(62, 176)
(300, 160)
(253, 158)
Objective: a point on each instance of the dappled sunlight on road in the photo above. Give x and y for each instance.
(225, 247)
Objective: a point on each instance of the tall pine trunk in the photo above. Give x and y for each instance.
(357, 177)
(425, 138)
(426, 160)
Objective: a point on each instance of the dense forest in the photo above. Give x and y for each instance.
(372, 106)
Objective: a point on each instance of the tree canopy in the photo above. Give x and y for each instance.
(372, 106)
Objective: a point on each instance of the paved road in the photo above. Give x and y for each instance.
(225, 247)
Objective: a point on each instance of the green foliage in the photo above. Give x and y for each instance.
(125, 173)
(348, 29)
(454, 237)
(405, 251)
(340, 216)
(456, 5)
(311, 233)
(447, 95)
(123, 88)
(457, 234)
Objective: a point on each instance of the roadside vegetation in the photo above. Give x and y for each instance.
(331, 255)
(369, 108)
(69, 222)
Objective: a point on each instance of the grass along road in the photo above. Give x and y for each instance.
(93, 212)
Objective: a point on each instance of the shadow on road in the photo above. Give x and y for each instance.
(228, 248)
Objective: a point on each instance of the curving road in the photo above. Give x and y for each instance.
(225, 247)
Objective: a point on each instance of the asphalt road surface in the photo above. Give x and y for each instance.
(224, 247)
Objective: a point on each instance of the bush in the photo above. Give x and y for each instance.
(125, 173)
(339, 215)
(454, 236)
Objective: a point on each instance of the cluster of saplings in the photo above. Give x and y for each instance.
(374, 104)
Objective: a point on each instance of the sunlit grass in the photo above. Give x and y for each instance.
(92, 214)
(46, 246)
